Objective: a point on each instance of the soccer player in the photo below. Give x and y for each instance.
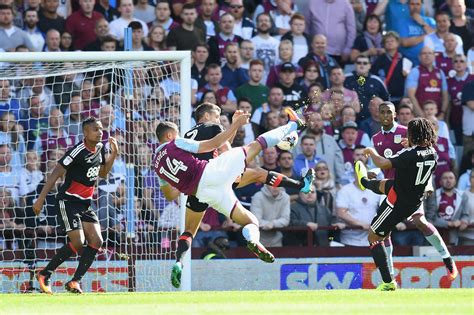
(414, 167)
(211, 181)
(82, 164)
(207, 116)
(387, 142)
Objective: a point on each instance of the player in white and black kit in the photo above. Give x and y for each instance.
(413, 169)
(207, 116)
(82, 164)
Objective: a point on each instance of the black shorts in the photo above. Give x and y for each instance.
(193, 204)
(72, 213)
(391, 212)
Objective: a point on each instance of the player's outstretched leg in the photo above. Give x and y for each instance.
(251, 232)
(372, 184)
(275, 179)
(434, 238)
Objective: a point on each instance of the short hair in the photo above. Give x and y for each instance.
(402, 106)
(108, 39)
(308, 136)
(389, 34)
(256, 62)
(264, 13)
(213, 66)
(231, 45)
(244, 99)
(359, 146)
(388, 104)
(17, 48)
(204, 108)
(163, 127)
(363, 57)
(135, 25)
(202, 45)
(335, 68)
(189, 6)
(284, 152)
(297, 16)
(421, 132)
(345, 107)
(440, 13)
(7, 7)
(89, 121)
(427, 102)
(29, 10)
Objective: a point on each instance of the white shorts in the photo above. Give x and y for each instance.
(215, 186)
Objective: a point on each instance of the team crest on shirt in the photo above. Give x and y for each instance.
(348, 166)
(449, 210)
(397, 139)
(441, 147)
(387, 152)
(433, 83)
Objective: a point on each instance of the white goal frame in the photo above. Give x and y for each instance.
(184, 59)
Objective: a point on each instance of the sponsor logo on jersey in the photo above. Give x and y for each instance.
(387, 152)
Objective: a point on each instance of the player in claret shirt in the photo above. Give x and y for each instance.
(82, 164)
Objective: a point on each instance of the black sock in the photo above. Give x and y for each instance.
(448, 262)
(184, 243)
(61, 255)
(86, 260)
(279, 180)
(380, 258)
(372, 184)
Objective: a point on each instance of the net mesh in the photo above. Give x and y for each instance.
(42, 106)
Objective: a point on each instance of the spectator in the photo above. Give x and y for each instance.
(206, 18)
(337, 78)
(466, 235)
(310, 76)
(308, 212)
(321, 57)
(447, 210)
(49, 17)
(245, 105)
(243, 26)
(157, 38)
(274, 104)
(208, 96)
(324, 183)
(108, 43)
(111, 208)
(405, 114)
(109, 12)
(53, 41)
(285, 53)
(210, 228)
(138, 37)
(413, 31)
(144, 11)
(348, 114)
(461, 24)
(33, 120)
(349, 141)
(436, 39)
(371, 125)
(10, 35)
(430, 111)
(7, 212)
(73, 117)
(37, 86)
(102, 88)
(225, 36)
(370, 42)
(198, 70)
(66, 42)
(81, 24)
(266, 47)
(389, 67)
(468, 117)
(359, 12)
(163, 16)
(308, 158)
(11, 134)
(292, 91)
(256, 92)
(90, 104)
(8, 104)
(117, 26)
(102, 31)
(269, 159)
(246, 53)
(233, 75)
(314, 97)
(186, 36)
(31, 28)
(335, 20)
(32, 171)
(456, 84)
(11, 179)
(301, 40)
(225, 97)
(426, 82)
(444, 60)
(285, 167)
(271, 206)
(356, 208)
(366, 88)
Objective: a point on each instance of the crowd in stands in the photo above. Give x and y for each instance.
(341, 58)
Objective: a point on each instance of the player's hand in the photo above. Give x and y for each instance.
(401, 226)
(37, 206)
(114, 149)
(241, 119)
(313, 226)
(369, 151)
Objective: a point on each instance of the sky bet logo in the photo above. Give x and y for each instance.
(320, 276)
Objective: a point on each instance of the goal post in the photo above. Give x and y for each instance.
(122, 266)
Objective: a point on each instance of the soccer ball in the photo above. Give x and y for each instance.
(289, 142)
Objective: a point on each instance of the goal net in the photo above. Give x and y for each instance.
(44, 97)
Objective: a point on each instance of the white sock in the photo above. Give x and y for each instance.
(437, 242)
(251, 232)
(389, 250)
(273, 137)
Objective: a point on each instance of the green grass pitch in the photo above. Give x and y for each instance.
(429, 301)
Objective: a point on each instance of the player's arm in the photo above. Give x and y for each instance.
(378, 160)
(58, 172)
(109, 162)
